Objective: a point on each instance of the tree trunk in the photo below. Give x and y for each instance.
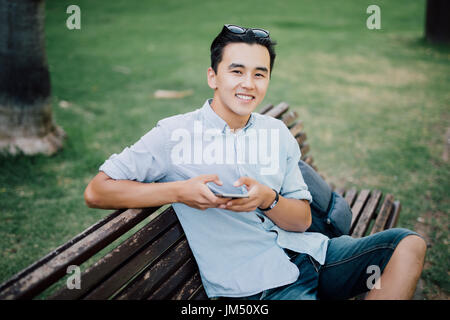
(26, 123)
(437, 26)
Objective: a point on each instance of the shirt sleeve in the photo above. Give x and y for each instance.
(144, 161)
(294, 185)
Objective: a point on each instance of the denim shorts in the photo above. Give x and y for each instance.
(349, 268)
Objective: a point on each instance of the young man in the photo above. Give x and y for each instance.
(256, 247)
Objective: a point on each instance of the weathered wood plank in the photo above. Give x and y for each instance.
(301, 138)
(385, 212)
(304, 148)
(106, 265)
(308, 159)
(289, 118)
(154, 275)
(189, 288)
(350, 196)
(364, 220)
(266, 109)
(136, 264)
(358, 206)
(57, 251)
(180, 277)
(296, 128)
(199, 294)
(39, 278)
(277, 111)
(393, 218)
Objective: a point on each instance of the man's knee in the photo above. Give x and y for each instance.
(413, 245)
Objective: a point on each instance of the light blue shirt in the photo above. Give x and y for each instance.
(238, 253)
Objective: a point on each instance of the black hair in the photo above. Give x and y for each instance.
(225, 37)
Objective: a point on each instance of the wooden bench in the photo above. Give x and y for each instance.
(154, 260)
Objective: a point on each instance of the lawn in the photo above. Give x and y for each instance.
(375, 104)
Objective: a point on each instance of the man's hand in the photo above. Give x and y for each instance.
(195, 193)
(259, 196)
(288, 214)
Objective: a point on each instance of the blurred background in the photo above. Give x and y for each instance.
(375, 105)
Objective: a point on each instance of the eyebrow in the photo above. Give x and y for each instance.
(238, 65)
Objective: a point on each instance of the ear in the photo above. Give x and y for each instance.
(211, 75)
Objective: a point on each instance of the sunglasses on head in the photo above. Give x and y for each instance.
(259, 33)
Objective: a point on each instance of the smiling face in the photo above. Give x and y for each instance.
(241, 82)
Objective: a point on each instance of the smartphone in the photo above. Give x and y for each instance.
(230, 195)
(228, 192)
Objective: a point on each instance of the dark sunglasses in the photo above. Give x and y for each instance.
(259, 33)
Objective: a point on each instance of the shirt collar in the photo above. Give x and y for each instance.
(211, 116)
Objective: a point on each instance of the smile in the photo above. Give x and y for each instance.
(245, 97)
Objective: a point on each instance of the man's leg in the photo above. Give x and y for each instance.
(400, 276)
(353, 264)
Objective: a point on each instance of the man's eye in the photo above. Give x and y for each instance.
(236, 71)
(259, 75)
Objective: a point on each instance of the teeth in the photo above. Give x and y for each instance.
(244, 97)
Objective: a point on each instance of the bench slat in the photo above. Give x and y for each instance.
(151, 278)
(168, 288)
(277, 111)
(304, 148)
(149, 255)
(296, 128)
(308, 159)
(266, 108)
(57, 251)
(289, 118)
(358, 206)
(350, 196)
(301, 138)
(393, 218)
(34, 282)
(385, 212)
(367, 214)
(190, 288)
(199, 294)
(102, 268)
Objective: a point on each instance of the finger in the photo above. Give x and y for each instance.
(221, 201)
(214, 200)
(238, 204)
(243, 180)
(209, 197)
(243, 208)
(211, 178)
(235, 202)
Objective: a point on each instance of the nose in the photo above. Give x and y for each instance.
(248, 82)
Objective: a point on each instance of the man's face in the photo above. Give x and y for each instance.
(242, 78)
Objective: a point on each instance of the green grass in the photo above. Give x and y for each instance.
(374, 103)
